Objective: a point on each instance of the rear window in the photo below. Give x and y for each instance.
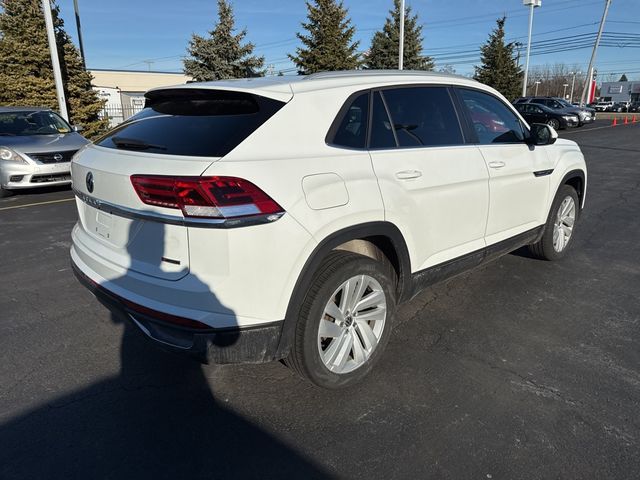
(192, 122)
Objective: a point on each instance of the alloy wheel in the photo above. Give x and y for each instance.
(352, 324)
(563, 225)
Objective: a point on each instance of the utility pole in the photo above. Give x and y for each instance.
(531, 4)
(401, 39)
(589, 81)
(55, 61)
(573, 83)
(564, 93)
(79, 28)
(537, 83)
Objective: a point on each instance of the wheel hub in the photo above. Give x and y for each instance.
(348, 321)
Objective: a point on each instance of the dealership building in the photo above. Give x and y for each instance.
(620, 92)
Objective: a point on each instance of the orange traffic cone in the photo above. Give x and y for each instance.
(626, 121)
(634, 119)
(615, 121)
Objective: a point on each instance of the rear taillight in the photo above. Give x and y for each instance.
(205, 197)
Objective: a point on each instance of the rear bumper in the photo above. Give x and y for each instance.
(209, 345)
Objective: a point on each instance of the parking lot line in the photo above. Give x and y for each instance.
(36, 204)
(594, 128)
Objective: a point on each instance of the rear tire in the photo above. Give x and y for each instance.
(345, 320)
(560, 227)
(554, 123)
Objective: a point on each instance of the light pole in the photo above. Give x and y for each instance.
(531, 4)
(573, 83)
(55, 61)
(564, 93)
(401, 38)
(537, 83)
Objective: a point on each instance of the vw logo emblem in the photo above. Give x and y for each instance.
(57, 157)
(90, 182)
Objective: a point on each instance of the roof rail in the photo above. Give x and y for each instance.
(373, 73)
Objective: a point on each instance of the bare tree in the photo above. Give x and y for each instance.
(553, 78)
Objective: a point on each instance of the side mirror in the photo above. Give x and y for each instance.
(541, 134)
(77, 128)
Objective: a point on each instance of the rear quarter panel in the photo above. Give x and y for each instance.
(288, 159)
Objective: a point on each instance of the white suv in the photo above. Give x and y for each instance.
(285, 218)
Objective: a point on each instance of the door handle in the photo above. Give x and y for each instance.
(497, 164)
(408, 174)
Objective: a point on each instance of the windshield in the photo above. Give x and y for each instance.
(32, 123)
(565, 103)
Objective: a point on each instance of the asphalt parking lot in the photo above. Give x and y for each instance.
(521, 369)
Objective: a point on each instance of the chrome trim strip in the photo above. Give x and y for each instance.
(133, 214)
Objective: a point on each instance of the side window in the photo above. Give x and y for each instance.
(423, 116)
(381, 133)
(540, 101)
(352, 131)
(537, 110)
(493, 121)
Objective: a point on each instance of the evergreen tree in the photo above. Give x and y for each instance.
(384, 50)
(222, 54)
(499, 67)
(26, 74)
(328, 46)
(623, 78)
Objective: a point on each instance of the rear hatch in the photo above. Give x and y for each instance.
(178, 134)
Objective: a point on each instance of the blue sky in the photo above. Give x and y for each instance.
(122, 34)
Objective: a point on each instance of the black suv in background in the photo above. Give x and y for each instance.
(535, 113)
(585, 115)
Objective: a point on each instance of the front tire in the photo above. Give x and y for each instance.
(345, 320)
(560, 227)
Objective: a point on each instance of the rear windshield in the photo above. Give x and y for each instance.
(201, 123)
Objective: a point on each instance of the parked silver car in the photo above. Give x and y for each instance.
(36, 146)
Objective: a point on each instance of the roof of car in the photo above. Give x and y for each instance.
(22, 109)
(282, 87)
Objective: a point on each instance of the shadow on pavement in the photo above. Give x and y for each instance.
(158, 418)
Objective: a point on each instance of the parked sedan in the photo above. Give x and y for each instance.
(36, 146)
(534, 113)
(560, 105)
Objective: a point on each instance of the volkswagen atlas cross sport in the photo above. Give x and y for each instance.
(285, 218)
(36, 146)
